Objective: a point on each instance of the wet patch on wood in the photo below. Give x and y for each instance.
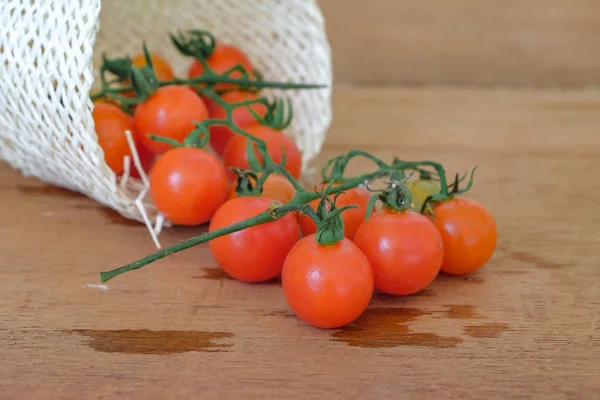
(460, 311)
(142, 341)
(388, 327)
(489, 330)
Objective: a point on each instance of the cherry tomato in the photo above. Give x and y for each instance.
(421, 189)
(404, 248)
(235, 154)
(169, 112)
(220, 134)
(111, 123)
(146, 159)
(223, 58)
(275, 187)
(254, 254)
(327, 286)
(469, 233)
(188, 185)
(353, 218)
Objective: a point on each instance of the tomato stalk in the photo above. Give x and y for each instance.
(297, 203)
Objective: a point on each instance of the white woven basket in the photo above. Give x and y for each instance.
(50, 50)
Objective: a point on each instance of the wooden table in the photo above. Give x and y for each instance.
(526, 325)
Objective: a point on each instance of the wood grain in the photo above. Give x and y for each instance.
(474, 42)
(525, 326)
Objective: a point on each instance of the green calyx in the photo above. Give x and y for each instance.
(247, 183)
(453, 190)
(396, 196)
(330, 224)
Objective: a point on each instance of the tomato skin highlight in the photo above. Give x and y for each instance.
(169, 112)
(188, 185)
(235, 154)
(404, 248)
(242, 117)
(353, 218)
(276, 187)
(327, 286)
(469, 233)
(111, 123)
(254, 254)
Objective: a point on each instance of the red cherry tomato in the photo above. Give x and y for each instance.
(276, 187)
(254, 254)
(188, 185)
(469, 233)
(327, 286)
(223, 58)
(242, 117)
(235, 154)
(169, 112)
(404, 248)
(111, 123)
(353, 218)
(146, 159)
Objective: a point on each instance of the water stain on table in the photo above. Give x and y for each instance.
(388, 327)
(489, 330)
(460, 311)
(143, 341)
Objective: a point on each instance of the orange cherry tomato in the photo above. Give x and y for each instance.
(404, 248)
(169, 112)
(254, 254)
(469, 233)
(353, 218)
(223, 58)
(111, 123)
(188, 185)
(221, 134)
(275, 187)
(235, 154)
(327, 286)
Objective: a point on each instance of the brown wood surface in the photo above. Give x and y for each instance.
(525, 326)
(509, 42)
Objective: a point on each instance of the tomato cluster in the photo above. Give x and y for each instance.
(188, 184)
(215, 153)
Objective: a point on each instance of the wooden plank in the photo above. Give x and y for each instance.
(474, 42)
(180, 329)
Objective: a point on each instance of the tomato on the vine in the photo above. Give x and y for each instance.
(236, 154)
(111, 123)
(404, 248)
(421, 189)
(188, 185)
(169, 112)
(254, 254)
(353, 218)
(469, 233)
(327, 286)
(223, 58)
(276, 187)
(242, 117)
